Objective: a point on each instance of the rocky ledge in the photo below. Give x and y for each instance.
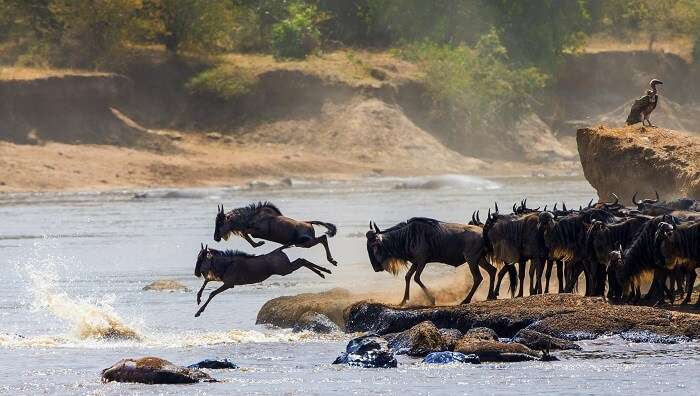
(640, 159)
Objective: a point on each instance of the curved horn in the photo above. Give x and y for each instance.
(206, 247)
(201, 246)
(514, 209)
(478, 220)
(554, 209)
(474, 217)
(525, 203)
(488, 215)
(563, 206)
(496, 205)
(545, 208)
(537, 209)
(590, 203)
(617, 199)
(634, 199)
(580, 208)
(376, 228)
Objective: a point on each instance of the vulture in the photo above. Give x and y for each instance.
(643, 106)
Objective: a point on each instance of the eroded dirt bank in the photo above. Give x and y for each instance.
(640, 159)
(566, 316)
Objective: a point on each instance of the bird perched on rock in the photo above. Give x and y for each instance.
(643, 106)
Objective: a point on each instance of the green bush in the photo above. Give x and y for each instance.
(476, 86)
(298, 35)
(224, 82)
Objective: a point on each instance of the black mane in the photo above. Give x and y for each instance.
(262, 205)
(230, 253)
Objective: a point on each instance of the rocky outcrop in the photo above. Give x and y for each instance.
(542, 342)
(286, 311)
(640, 159)
(448, 357)
(496, 351)
(153, 370)
(566, 316)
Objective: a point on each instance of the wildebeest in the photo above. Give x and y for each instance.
(238, 268)
(680, 247)
(263, 220)
(422, 240)
(515, 239)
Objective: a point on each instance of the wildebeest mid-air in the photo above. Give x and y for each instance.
(422, 240)
(263, 220)
(238, 268)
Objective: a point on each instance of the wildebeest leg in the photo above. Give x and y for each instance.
(689, 283)
(476, 280)
(252, 242)
(491, 270)
(521, 276)
(560, 275)
(547, 275)
(539, 268)
(211, 295)
(416, 277)
(323, 240)
(531, 272)
(199, 293)
(317, 269)
(409, 274)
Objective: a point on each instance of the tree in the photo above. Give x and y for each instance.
(194, 25)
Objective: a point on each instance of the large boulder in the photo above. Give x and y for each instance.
(566, 316)
(419, 340)
(315, 322)
(369, 351)
(451, 337)
(168, 285)
(286, 311)
(153, 370)
(481, 333)
(640, 159)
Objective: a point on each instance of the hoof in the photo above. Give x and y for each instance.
(197, 314)
(335, 263)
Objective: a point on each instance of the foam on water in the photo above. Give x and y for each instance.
(444, 181)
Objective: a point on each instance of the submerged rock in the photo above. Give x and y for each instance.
(166, 285)
(496, 351)
(368, 351)
(153, 370)
(214, 364)
(315, 322)
(419, 340)
(447, 357)
(542, 342)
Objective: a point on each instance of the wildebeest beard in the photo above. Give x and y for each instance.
(398, 242)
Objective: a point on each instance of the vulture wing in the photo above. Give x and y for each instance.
(637, 110)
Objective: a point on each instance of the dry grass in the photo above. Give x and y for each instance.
(352, 67)
(681, 46)
(32, 73)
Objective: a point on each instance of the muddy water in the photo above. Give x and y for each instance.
(73, 268)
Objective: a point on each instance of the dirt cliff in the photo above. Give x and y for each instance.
(640, 159)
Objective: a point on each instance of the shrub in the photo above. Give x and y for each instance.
(224, 82)
(297, 36)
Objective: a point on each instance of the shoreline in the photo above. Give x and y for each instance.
(201, 162)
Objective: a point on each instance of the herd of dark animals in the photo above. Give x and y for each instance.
(610, 244)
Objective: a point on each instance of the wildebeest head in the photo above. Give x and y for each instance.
(664, 231)
(203, 259)
(225, 224)
(377, 254)
(545, 221)
(220, 225)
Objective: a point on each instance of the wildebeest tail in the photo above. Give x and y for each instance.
(513, 278)
(330, 227)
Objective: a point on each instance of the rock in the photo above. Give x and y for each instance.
(286, 181)
(419, 340)
(447, 357)
(542, 342)
(153, 370)
(214, 364)
(379, 74)
(481, 333)
(286, 311)
(369, 351)
(315, 322)
(214, 136)
(640, 159)
(451, 337)
(166, 285)
(496, 351)
(568, 316)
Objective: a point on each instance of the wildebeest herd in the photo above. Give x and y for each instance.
(610, 244)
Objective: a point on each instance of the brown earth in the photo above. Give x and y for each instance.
(640, 159)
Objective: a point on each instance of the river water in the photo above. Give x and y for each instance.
(74, 265)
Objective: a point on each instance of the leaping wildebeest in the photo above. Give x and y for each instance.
(422, 240)
(234, 267)
(263, 220)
